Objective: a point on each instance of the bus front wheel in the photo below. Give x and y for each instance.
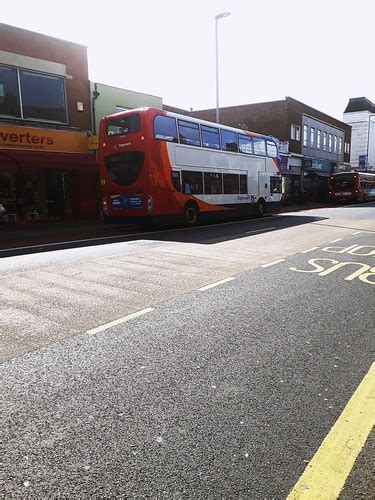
(261, 207)
(191, 214)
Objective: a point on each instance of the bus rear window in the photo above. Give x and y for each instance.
(343, 181)
(123, 125)
(124, 168)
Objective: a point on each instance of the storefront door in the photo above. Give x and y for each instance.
(55, 198)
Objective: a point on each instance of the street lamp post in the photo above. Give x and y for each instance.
(219, 16)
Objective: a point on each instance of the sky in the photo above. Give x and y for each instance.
(321, 52)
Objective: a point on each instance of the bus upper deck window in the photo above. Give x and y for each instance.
(210, 137)
(165, 128)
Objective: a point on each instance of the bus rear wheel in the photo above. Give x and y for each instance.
(191, 214)
(261, 207)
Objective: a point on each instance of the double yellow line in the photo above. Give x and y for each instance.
(326, 473)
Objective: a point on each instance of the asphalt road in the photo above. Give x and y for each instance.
(222, 391)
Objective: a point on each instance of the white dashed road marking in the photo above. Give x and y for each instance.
(217, 283)
(273, 263)
(119, 321)
(310, 249)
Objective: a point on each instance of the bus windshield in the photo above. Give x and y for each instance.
(123, 125)
(343, 181)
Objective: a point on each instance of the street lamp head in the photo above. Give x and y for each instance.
(220, 16)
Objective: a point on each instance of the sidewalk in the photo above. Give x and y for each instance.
(17, 237)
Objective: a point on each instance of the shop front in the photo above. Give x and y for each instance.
(316, 174)
(46, 175)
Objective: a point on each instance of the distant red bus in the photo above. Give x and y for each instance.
(352, 186)
(159, 166)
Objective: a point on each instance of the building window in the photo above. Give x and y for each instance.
(298, 133)
(330, 143)
(324, 141)
(305, 135)
(312, 137)
(295, 132)
(318, 138)
(335, 144)
(340, 145)
(347, 148)
(43, 96)
(9, 96)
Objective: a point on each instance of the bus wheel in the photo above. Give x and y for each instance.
(261, 207)
(191, 214)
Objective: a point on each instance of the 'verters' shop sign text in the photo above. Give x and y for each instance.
(38, 139)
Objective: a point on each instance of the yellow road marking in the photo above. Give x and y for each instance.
(326, 473)
(272, 263)
(310, 249)
(101, 328)
(217, 283)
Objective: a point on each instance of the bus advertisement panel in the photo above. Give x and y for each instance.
(160, 167)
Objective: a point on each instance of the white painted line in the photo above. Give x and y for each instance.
(338, 239)
(217, 283)
(310, 249)
(273, 263)
(260, 230)
(108, 256)
(358, 232)
(119, 321)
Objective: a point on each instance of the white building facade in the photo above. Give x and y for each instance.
(360, 114)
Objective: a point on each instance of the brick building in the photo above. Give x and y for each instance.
(313, 144)
(46, 169)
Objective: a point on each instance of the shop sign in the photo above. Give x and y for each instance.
(362, 163)
(39, 139)
(317, 165)
(284, 147)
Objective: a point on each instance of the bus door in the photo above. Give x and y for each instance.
(263, 184)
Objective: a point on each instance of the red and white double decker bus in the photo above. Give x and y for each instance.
(160, 166)
(352, 186)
